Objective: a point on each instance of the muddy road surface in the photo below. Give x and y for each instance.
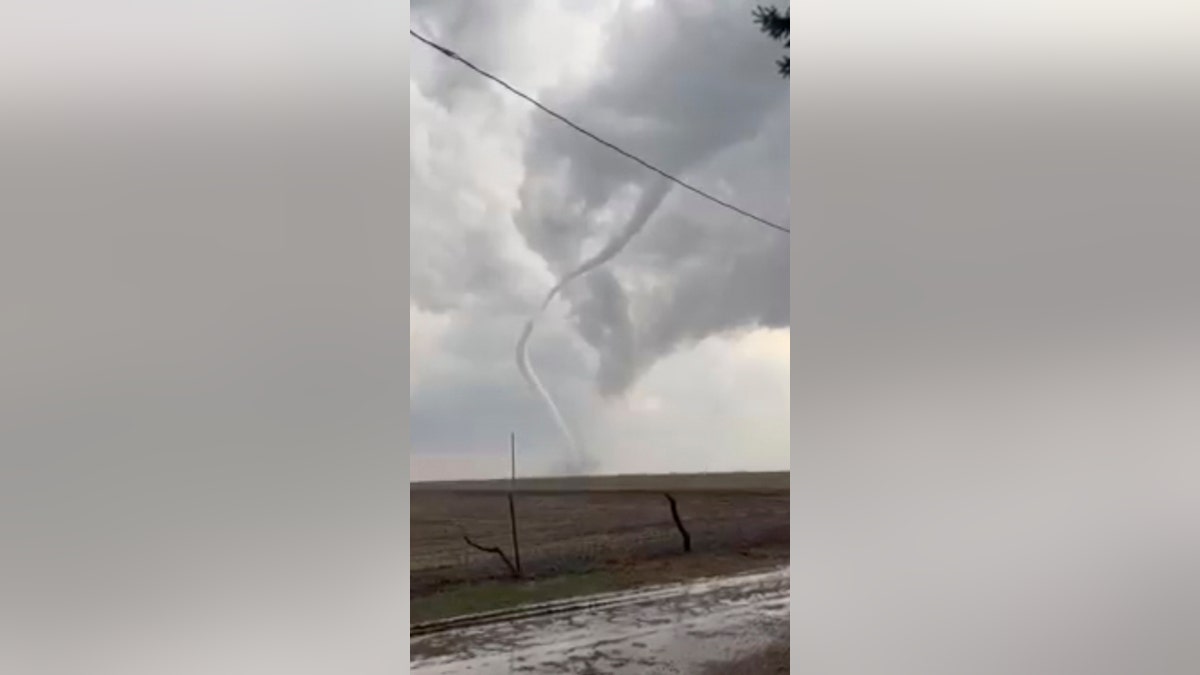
(682, 628)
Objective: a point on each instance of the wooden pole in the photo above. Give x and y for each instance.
(512, 511)
(687, 538)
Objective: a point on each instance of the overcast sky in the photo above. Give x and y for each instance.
(675, 357)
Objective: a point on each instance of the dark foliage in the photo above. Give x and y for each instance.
(779, 27)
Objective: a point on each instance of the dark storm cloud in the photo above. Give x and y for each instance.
(472, 413)
(465, 402)
(483, 31)
(507, 200)
(685, 82)
(601, 316)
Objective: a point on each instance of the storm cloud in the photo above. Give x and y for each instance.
(523, 199)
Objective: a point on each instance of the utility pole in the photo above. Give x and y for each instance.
(512, 511)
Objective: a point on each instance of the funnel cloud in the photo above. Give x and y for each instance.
(650, 289)
(646, 206)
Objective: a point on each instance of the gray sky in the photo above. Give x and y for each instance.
(675, 356)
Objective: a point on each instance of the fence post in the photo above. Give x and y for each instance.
(512, 511)
(687, 538)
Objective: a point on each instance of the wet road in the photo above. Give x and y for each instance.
(666, 629)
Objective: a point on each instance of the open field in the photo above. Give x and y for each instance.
(594, 531)
(771, 481)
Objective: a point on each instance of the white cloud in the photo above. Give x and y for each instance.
(723, 405)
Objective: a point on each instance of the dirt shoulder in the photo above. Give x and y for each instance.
(469, 598)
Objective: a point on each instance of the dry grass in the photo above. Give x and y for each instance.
(482, 596)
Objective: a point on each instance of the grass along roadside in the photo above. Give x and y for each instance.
(484, 596)
(491, 595)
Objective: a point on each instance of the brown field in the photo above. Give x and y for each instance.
(583, 524)
(772, 481)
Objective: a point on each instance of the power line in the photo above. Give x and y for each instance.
(452, 55)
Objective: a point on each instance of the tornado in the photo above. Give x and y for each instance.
(647, 204)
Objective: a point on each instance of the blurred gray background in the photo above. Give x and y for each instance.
(202, 342)
(995, 327)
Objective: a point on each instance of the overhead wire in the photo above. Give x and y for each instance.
(449, 53)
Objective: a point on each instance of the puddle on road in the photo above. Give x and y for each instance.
(666, 629)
